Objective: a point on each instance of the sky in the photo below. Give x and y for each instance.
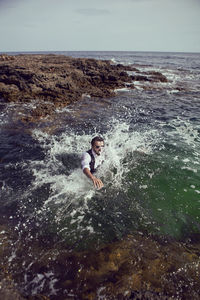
(106, 25)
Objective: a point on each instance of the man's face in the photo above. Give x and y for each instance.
(97, 147)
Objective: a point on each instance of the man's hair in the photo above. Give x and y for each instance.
(96, 139)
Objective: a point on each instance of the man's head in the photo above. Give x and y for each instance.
(97, 144)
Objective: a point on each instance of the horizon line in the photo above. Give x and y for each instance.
(143, 51)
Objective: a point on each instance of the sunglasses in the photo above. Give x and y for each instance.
(97, 147)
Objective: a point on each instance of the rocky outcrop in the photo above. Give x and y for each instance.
(151, 76)
(58, 80)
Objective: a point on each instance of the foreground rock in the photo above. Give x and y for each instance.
(137, 267)
(61, 80)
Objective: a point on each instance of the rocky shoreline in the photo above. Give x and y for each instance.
(56, 81)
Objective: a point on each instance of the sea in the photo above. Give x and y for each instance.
(151, 174)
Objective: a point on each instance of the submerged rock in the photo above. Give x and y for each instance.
(137, 267)
(8, 290)
(142, 265)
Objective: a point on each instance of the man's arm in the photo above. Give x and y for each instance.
(96, 181)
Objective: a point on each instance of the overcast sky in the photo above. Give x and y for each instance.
(106, 25)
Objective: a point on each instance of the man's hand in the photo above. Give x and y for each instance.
(97, 182)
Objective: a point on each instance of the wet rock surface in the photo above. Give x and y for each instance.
(8, 288)
(137, 267)
(57, 81)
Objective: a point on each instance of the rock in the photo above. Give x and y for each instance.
(157, 76)
(137, 267)
(61, 80)
(57, 78)
(140, 78)
(149, 76)
(6, 57)
(8, 290)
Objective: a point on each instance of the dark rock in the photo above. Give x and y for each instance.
(61, 80)
(137, 267)
(140, 78)
(157, 76)
(5, 57)
(149, 76)
(57, 79)
(8, 291)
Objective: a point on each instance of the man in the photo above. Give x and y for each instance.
(92, 159)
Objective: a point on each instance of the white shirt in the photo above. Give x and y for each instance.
(86, 159)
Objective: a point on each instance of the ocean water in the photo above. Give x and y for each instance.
(152, 170)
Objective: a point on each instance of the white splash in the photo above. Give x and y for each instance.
(73, 184)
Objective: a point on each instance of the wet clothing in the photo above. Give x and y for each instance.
(91, 160)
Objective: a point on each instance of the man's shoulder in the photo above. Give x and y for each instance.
(85, 154)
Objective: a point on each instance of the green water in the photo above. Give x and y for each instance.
(159, 194)
(169, 191)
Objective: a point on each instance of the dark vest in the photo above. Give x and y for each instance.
(92, 163)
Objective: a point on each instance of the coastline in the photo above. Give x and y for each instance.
(56, 81)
